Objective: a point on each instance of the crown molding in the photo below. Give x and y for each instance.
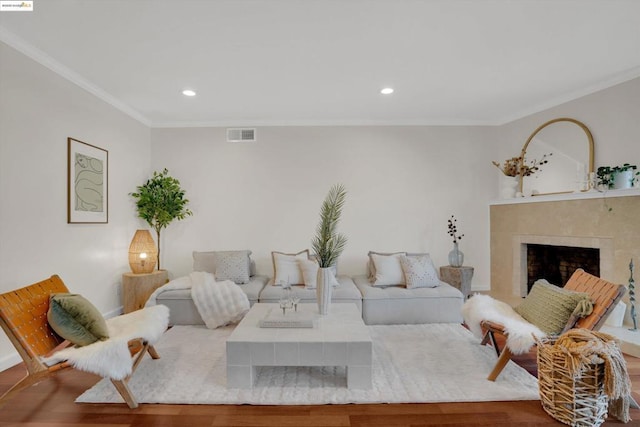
(319, 123)
(42, 58)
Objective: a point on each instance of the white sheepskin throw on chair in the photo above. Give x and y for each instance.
(519, 332)
(219, 303)
(111, 358)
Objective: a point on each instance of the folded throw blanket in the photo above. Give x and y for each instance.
(521, 333)
(219, 303)
(581, 348)
(111, 358)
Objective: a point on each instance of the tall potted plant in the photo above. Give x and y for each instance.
(160, 201)
(328, 244)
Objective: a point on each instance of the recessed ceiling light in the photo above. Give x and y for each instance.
(188, 92)
(387, 91)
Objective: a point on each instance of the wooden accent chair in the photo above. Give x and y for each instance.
(23, 316)
(604, 295)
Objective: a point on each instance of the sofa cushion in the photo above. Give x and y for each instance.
(388, 270)
(549, 307)
(225, 265)
(286, 268)
(419, 271)
(371, 268)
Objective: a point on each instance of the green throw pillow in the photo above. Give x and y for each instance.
(75, 319)
(549, 307)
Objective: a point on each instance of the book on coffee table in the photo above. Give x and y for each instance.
(291, 319)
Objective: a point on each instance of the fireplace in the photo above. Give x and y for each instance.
(557, 263)
(575, 249)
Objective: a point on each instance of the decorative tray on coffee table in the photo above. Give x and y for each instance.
(290, 319)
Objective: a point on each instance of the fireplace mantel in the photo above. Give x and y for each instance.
(569, 196)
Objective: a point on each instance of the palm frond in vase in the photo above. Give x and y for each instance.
(328, 244)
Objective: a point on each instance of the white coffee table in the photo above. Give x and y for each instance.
(338, 339)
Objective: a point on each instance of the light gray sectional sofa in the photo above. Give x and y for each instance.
(379, 304)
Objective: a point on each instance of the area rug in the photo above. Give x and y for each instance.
(411, 363)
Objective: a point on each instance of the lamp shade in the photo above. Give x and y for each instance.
(142, 252)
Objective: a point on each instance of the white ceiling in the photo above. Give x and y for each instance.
(315, 62)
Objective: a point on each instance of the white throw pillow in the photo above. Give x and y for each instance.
(286, 268)
(388, 269)
(309, 270)
(419, 271)
(371, 268)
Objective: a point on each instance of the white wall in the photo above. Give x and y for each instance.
(403, 184)
(38, 111)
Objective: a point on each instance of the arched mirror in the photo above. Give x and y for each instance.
(568, 147)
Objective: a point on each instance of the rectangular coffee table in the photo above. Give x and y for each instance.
(338, 339)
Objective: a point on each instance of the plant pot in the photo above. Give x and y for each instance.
(623, 179)
(324, 290)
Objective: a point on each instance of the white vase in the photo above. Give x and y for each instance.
(623, 179)
(508, 186)
(324, 290)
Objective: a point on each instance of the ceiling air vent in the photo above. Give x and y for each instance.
(241, 135)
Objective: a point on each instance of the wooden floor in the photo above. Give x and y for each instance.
(51, 403)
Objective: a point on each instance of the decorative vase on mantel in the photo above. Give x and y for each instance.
(324, 289)
(509, 186)
(456, 257)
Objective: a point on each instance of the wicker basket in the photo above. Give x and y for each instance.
(576, 401)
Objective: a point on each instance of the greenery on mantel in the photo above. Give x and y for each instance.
(606, 174)
(328, 244)
(160, 201)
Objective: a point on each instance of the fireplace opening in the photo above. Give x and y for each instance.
(557, 263)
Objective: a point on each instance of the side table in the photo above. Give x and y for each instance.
(458, 277)
(136, 288)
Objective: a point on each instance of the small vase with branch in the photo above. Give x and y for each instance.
(456, 257)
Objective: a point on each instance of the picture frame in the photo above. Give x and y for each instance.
(87, 183)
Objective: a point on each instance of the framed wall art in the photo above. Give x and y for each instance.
(87, 183)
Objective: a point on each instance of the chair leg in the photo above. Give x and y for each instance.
(504, 358)
(125, 392)
(152, 352)
(490, 337)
